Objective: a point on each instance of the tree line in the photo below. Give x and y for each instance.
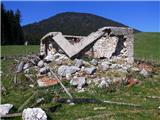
(11, 30)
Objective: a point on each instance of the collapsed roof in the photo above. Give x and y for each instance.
(105, 42)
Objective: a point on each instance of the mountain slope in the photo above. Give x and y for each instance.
(68, 23)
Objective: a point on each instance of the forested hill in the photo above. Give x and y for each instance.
(69, 23)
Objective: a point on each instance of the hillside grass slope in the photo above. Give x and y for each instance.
(147, 46)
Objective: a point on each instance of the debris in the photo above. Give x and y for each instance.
(68, 76)
(90, 70)
(67, 47)
(34, 114)
(2, 89)
(144, 73)
(29, 77)
(49, 58)
(145, 66)
(38, 101)
(99, 108)
(20, 67)
(40, 63)
(78, 81)
(131, 81)
(103, 83)
(31, 85)
(46, 81)
(58, 62)
(94, 62)
(122, 103)
(104, 66)
(78, 62)
(4, 109)
(44, 70)
(15, 79)
(11, 115)
(27, 65)
(77, 100)
(63, 70)
(153, 97)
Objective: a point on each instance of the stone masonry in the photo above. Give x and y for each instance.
(112, 43)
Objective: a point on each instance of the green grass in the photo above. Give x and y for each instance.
(146, 45)
(18, 50)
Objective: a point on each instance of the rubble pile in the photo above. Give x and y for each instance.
(111, 62)
(99, 72)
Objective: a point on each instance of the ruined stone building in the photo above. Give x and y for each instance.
(112, 43)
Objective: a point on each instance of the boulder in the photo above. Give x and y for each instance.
(44, 70)
(103, 84)
(49, 58)
(34, 114)
(94, 62)
(58, 62)
(4, 109)
(78, 62)
(20, 67)
(64, 69)
(104, 66)
(40, 63)
(68, 76)
(78, 81)
(144, 72)
(90, 70)
(26, 66)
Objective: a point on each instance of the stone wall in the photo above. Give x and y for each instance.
(116, 44)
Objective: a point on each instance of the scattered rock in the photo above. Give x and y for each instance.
(136, 69)
(90, 70)
(58, 62)
(103, 84)
(114, 66)
(44, 70)
(94, 62)
(99, 108)
(49, 58)
(68, 76)
(104, 66)
(144, 72)
(40, 63)
(2, 89)
(4, 109)
(31, 85)
(81, 90)
(78, 62)
(34, 114)
(26, 66)
(96, 81)
(64, 69)
(78, 81)
(20, 67)
(145, 66)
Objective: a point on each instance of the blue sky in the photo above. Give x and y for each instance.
(144, 16)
